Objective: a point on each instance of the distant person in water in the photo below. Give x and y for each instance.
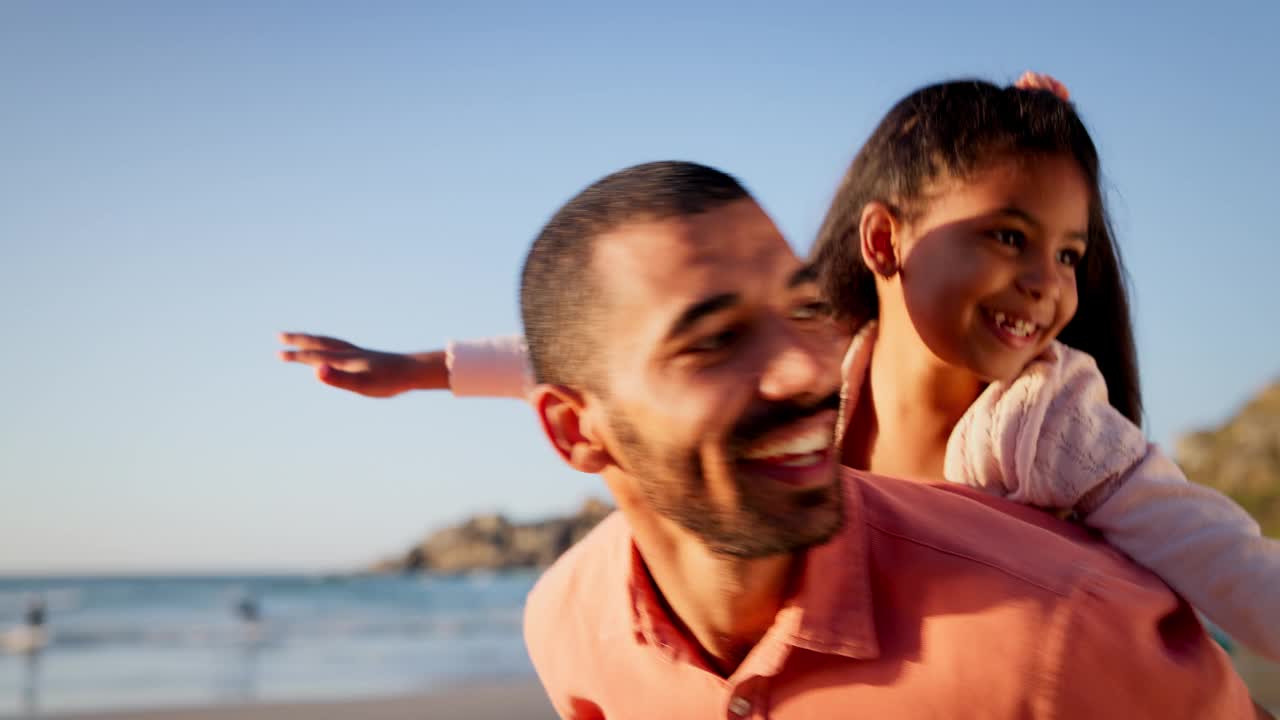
(35, 638)
(250, 614)
(36, 612)
(31, 636)
(247, 609)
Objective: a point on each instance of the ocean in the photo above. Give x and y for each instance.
(119, 643)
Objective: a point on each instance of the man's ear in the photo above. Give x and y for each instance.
(563, 414)
(880, 235)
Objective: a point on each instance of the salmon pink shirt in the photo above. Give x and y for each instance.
(932, 601)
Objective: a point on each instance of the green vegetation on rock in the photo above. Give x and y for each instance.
(1242, 458)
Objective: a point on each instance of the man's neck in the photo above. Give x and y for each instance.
(725, 604)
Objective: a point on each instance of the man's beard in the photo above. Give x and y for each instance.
(767, 520)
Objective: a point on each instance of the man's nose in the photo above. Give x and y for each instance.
(802, 362)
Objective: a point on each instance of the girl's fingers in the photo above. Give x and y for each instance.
(304, 341)
(342, 360)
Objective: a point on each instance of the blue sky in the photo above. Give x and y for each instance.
(178, 182)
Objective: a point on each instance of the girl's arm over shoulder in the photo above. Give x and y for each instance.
(1050, 438)
(1200, 542)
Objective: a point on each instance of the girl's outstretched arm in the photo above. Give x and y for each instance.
(490, 367)
(1050, 438)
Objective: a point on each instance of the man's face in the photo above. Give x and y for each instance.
(720, 380)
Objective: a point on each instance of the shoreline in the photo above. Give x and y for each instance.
(489, 701)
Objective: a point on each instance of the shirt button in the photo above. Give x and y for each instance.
(740, 706)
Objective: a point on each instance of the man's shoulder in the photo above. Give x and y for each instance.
(569, 608)
(571, 594)
(990, 534)
(1094, 632)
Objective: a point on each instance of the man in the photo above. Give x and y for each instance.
(683, 353)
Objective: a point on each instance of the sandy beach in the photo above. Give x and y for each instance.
(516, 700)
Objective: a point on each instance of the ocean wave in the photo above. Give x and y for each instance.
(89, 614)
(281, 631)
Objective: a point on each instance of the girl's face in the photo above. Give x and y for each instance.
(988, 271)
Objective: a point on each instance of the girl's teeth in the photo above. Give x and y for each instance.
(1015, 326)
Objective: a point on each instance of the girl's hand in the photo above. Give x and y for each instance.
(366, 372)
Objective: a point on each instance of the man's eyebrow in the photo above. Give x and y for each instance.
(806, 274)
(1026, 217)
(700, 310)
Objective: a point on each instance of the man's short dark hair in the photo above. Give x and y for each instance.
(560, 296)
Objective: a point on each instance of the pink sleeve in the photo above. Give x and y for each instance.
(1200, 542)
(491, 367)
(1051, 439)
(1047, 437)
(857, 358)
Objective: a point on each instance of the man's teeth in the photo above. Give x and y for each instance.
(808, 460)
(1015, 326)
(801, 449)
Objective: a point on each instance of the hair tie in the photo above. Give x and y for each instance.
(1040, 81)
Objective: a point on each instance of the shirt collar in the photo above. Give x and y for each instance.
(829, 610)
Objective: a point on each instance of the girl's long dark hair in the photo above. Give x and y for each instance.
(956, 129)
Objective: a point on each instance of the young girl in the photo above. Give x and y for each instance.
(968, 246)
